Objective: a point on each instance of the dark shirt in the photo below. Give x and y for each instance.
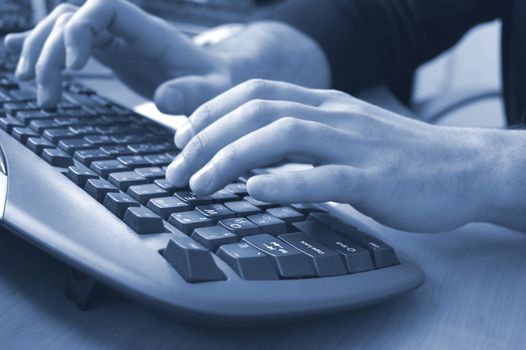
(383, 41)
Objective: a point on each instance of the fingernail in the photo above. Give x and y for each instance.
(71, 57)
(176, 171)
(184, 134)
(22, 67)
(203, 178)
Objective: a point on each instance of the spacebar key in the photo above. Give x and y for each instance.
(193, 261)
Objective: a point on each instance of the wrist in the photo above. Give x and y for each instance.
(503, 178)
(274, 51)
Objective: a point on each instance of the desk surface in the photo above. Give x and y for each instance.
(473, 298)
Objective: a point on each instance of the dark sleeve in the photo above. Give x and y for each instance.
(373, 41)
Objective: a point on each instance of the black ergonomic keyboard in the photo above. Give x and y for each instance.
(85, 182)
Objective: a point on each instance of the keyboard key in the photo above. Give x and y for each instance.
(290, 262)
(383, 254)
(22, 134)
(215, 211)
(55, 135)
(191, 260)
(325, 260)
(98, 188)
(83, 130)
(125, 179)
(133, 161)
(329, 220)
(116, 151)
(192, 198)
(23, 95)
(214, 236)
(248, 262)
(305, 208)
(57, 157)
(158, 159)
(356, 258)
(286, 214)
(37, 144)
(143, 193)
(118, 203)
(165, 185)
(269, 224)
(80, 174)
(240, 226)
(72, 145)
(99, 140)
(43, 124)
(143, 220)
(8, 123)
(69, 121)
(188, 221)
(238, 188)
(151, 172)
(88, 156)
(27, 116)
(223, 195)
(243, 208)
(166, 206)
(14, 107)
(260, 204)
(105, 167)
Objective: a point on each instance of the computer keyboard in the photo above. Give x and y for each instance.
(85, 181)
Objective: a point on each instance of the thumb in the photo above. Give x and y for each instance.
(184, 95)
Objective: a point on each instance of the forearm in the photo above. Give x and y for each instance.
(275, 51)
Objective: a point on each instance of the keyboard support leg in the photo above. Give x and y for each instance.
(79, 288)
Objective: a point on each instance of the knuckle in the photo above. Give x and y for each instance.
(258, 108)
(290, 126)
(336, 94)
(64, 7)
(195, 146)
(62, 20)
(202, 116)
(257, 86)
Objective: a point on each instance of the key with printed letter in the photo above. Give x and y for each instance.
(214, 236)
(248, 262)
(189, 220)
(166, 206)
(356, 258)
(240, 226)
(326, 261)
(215, 211)
(143, 220)
(269, 224)
(118, 203)
(290, 262)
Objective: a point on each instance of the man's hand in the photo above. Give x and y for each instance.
(404, 173)
(145, 52)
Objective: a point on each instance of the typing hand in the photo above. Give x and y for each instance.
(154, 59)
(142, 50)
(404, 173)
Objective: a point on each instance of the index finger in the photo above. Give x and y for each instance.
(121, 19)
